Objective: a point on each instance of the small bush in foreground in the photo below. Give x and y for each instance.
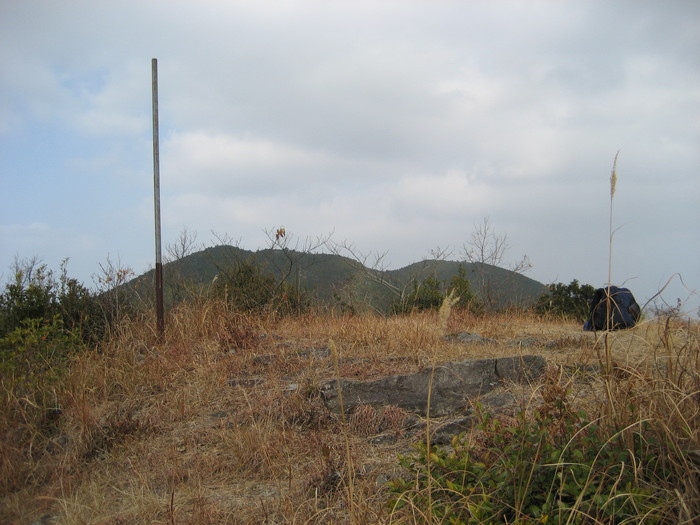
(558, 467)
(34, 360)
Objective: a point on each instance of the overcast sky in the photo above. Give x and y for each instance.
(398, 126)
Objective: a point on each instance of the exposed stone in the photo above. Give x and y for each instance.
(448, 387)
(527, 342)
(520, 369)
(498, 399)
(264, 360)
(314, 353)
(246, 382)
(388, 438)
(468, 338)
(443, 433)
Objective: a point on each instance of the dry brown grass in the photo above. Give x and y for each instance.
(222, 422)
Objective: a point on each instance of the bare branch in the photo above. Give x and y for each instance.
(486, 246)
(294, 251)
(23, 269)
(224, 239)
(183, 246)
(376, 270)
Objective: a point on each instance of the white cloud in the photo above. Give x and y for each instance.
(441, 195)
(398, 125)
(216, 163)
(119, 105)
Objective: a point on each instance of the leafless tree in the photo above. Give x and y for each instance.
(184, 245)
(177, 287)
(110, 286)
(225, 239)
(294, 251)
(485, 248)
(485, 245)
(374, 267)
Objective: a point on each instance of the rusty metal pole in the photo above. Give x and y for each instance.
(160, 310)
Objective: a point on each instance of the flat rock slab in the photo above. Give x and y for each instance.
(449, 387)
(468, 338)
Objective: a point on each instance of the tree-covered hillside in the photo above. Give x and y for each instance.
(332, 279)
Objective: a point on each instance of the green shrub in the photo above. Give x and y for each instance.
(44, 323)
(36, 295)
(36, 352)
(426, 295)
(35, 359)
(245, 286)
(461, 287)
(32, 295)
(559, 467)
(566, 300)
(429, 294)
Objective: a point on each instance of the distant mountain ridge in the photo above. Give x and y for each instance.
(326, 278)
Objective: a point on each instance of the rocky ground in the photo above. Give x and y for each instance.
(297, 424)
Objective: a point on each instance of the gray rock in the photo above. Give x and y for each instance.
(468, 338)
(264, 360)
(498, 399)
(443, 434)
(448, 387)
(246, 382)
(524, 343)
(388, 438)
(314, 353)
(520, 369)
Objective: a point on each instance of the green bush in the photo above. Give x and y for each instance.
(32, 295)
(429, 294)
(36, 295)
(245, 286)
(35, 354)
(426, 295)
(560, 467)
(461, 287)
(80, 311)
(566, 300)
(43, 321)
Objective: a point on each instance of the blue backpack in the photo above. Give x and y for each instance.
(612, 308)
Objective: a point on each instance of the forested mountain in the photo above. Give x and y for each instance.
(331, 278)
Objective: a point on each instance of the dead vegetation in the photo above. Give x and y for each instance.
(222, 422)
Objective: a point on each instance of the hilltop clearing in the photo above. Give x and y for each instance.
(224, 421)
